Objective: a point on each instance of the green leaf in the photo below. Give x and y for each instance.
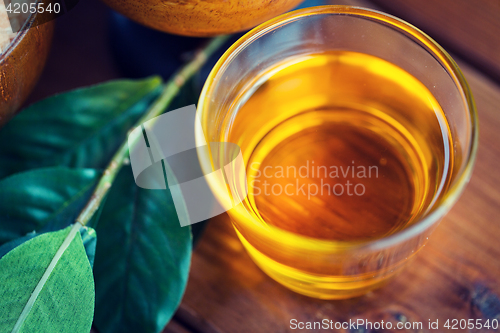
(43, 200)
(89, 239)
(47, 285)
(81, 128)
(141, 269)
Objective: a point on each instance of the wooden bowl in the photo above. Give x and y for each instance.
(22, 62)
(201, 18)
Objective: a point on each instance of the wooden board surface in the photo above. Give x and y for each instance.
(468, 28)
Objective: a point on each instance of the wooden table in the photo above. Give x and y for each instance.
(456, 275)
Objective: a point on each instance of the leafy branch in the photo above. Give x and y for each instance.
(169, 92)
(47, 265)
(48, 272)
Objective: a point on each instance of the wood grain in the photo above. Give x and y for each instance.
(175, 327)
(469, 29)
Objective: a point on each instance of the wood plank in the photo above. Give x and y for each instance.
(173, 327)
(469, 29)
(176, 327)
(456, 275)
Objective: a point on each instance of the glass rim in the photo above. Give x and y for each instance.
(451, 195)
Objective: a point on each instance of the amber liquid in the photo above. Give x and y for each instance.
(340, 146)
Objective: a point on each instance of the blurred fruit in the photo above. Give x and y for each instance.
(201, 18)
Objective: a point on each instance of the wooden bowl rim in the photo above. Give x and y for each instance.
(19, 37)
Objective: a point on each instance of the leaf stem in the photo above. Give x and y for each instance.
(34, 295)
(170, 90)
